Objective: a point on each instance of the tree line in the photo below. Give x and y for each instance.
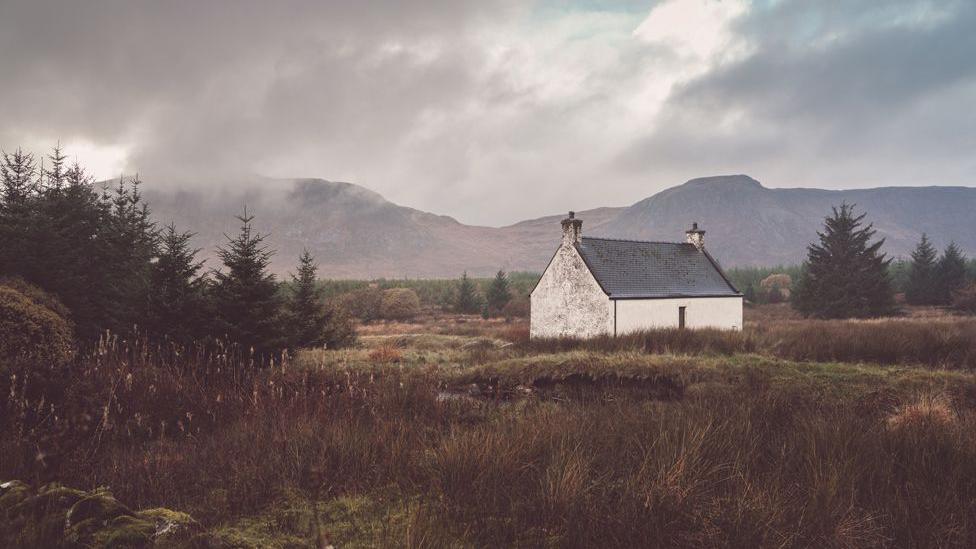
(846, 275)
(115, 270)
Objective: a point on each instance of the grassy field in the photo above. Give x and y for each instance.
(457, 431)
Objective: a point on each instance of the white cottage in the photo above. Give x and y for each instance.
(596, 286)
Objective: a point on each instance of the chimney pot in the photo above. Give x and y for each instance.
(696, 236)
(572, 229)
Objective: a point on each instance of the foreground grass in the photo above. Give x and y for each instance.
(446, 440)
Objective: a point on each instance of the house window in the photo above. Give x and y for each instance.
(681, 317)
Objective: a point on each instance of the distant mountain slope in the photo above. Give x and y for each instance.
(749, 224)
(356, 233)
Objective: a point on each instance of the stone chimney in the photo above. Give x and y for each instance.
(572, 228)
(695, 236)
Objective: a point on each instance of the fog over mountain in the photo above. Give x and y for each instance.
(356, 233)
(496, 110)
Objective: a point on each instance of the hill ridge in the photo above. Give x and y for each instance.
(355, 232)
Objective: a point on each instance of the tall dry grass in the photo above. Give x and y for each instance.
(937, 343)
(732, 460)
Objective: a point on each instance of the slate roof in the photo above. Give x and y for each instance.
(633, 269)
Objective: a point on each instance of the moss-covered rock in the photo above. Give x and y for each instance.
(12, 493)
(175, 529)
(124, 531)
(51, 498)
(298, 522)
(57, 516)
(91, 514)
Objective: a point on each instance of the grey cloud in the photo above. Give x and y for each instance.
(885, 102)
(429, 103)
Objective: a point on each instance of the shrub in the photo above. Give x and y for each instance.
(341, 330)
(363, 303)
(31, 330)
(777, 287)
(36, 295)
(400, 303)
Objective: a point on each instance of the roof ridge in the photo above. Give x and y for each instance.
(632, 240)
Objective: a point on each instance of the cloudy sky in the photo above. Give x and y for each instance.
(497, 111)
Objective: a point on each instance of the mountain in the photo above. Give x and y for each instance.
(356, 233)
(749, 224)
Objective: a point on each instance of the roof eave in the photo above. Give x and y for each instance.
(675, 296)
(721, 272)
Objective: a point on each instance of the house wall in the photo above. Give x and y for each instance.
(701, 312)
(568, 301)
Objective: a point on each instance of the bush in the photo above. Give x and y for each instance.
(363, 303)
(400, 303)
(31, 330)
(36, 295)
(340, 330)
(777, 287)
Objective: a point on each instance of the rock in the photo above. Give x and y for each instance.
(173, 528)
(124, 531)
(12, 493)
(57, 516)
(54, 497)
(100, 505)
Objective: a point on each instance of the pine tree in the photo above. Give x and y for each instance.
(498, 293)
(18, 171)
(130, 240)
(176, 303)
(17, 211)
(923, 287)
(56, 176)
(311, 322)
(246, 302)
(92, 250)
(951, 275)
(72, 233)
(467, 299)
(845, 275)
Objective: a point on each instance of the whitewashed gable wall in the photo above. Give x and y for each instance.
(568, 301)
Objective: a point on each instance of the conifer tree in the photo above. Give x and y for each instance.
(91, 250)
(17, 171)
(72, 234)
(55, 177)
(498, 294)
(130, 242)
(845, 275)
(467, 298)
(951, 274)
(176, 303)
(245, 297)
(311, 322)
(923, 284)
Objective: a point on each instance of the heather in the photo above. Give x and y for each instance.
(432, 438)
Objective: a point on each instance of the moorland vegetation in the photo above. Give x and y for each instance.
(146, 400)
